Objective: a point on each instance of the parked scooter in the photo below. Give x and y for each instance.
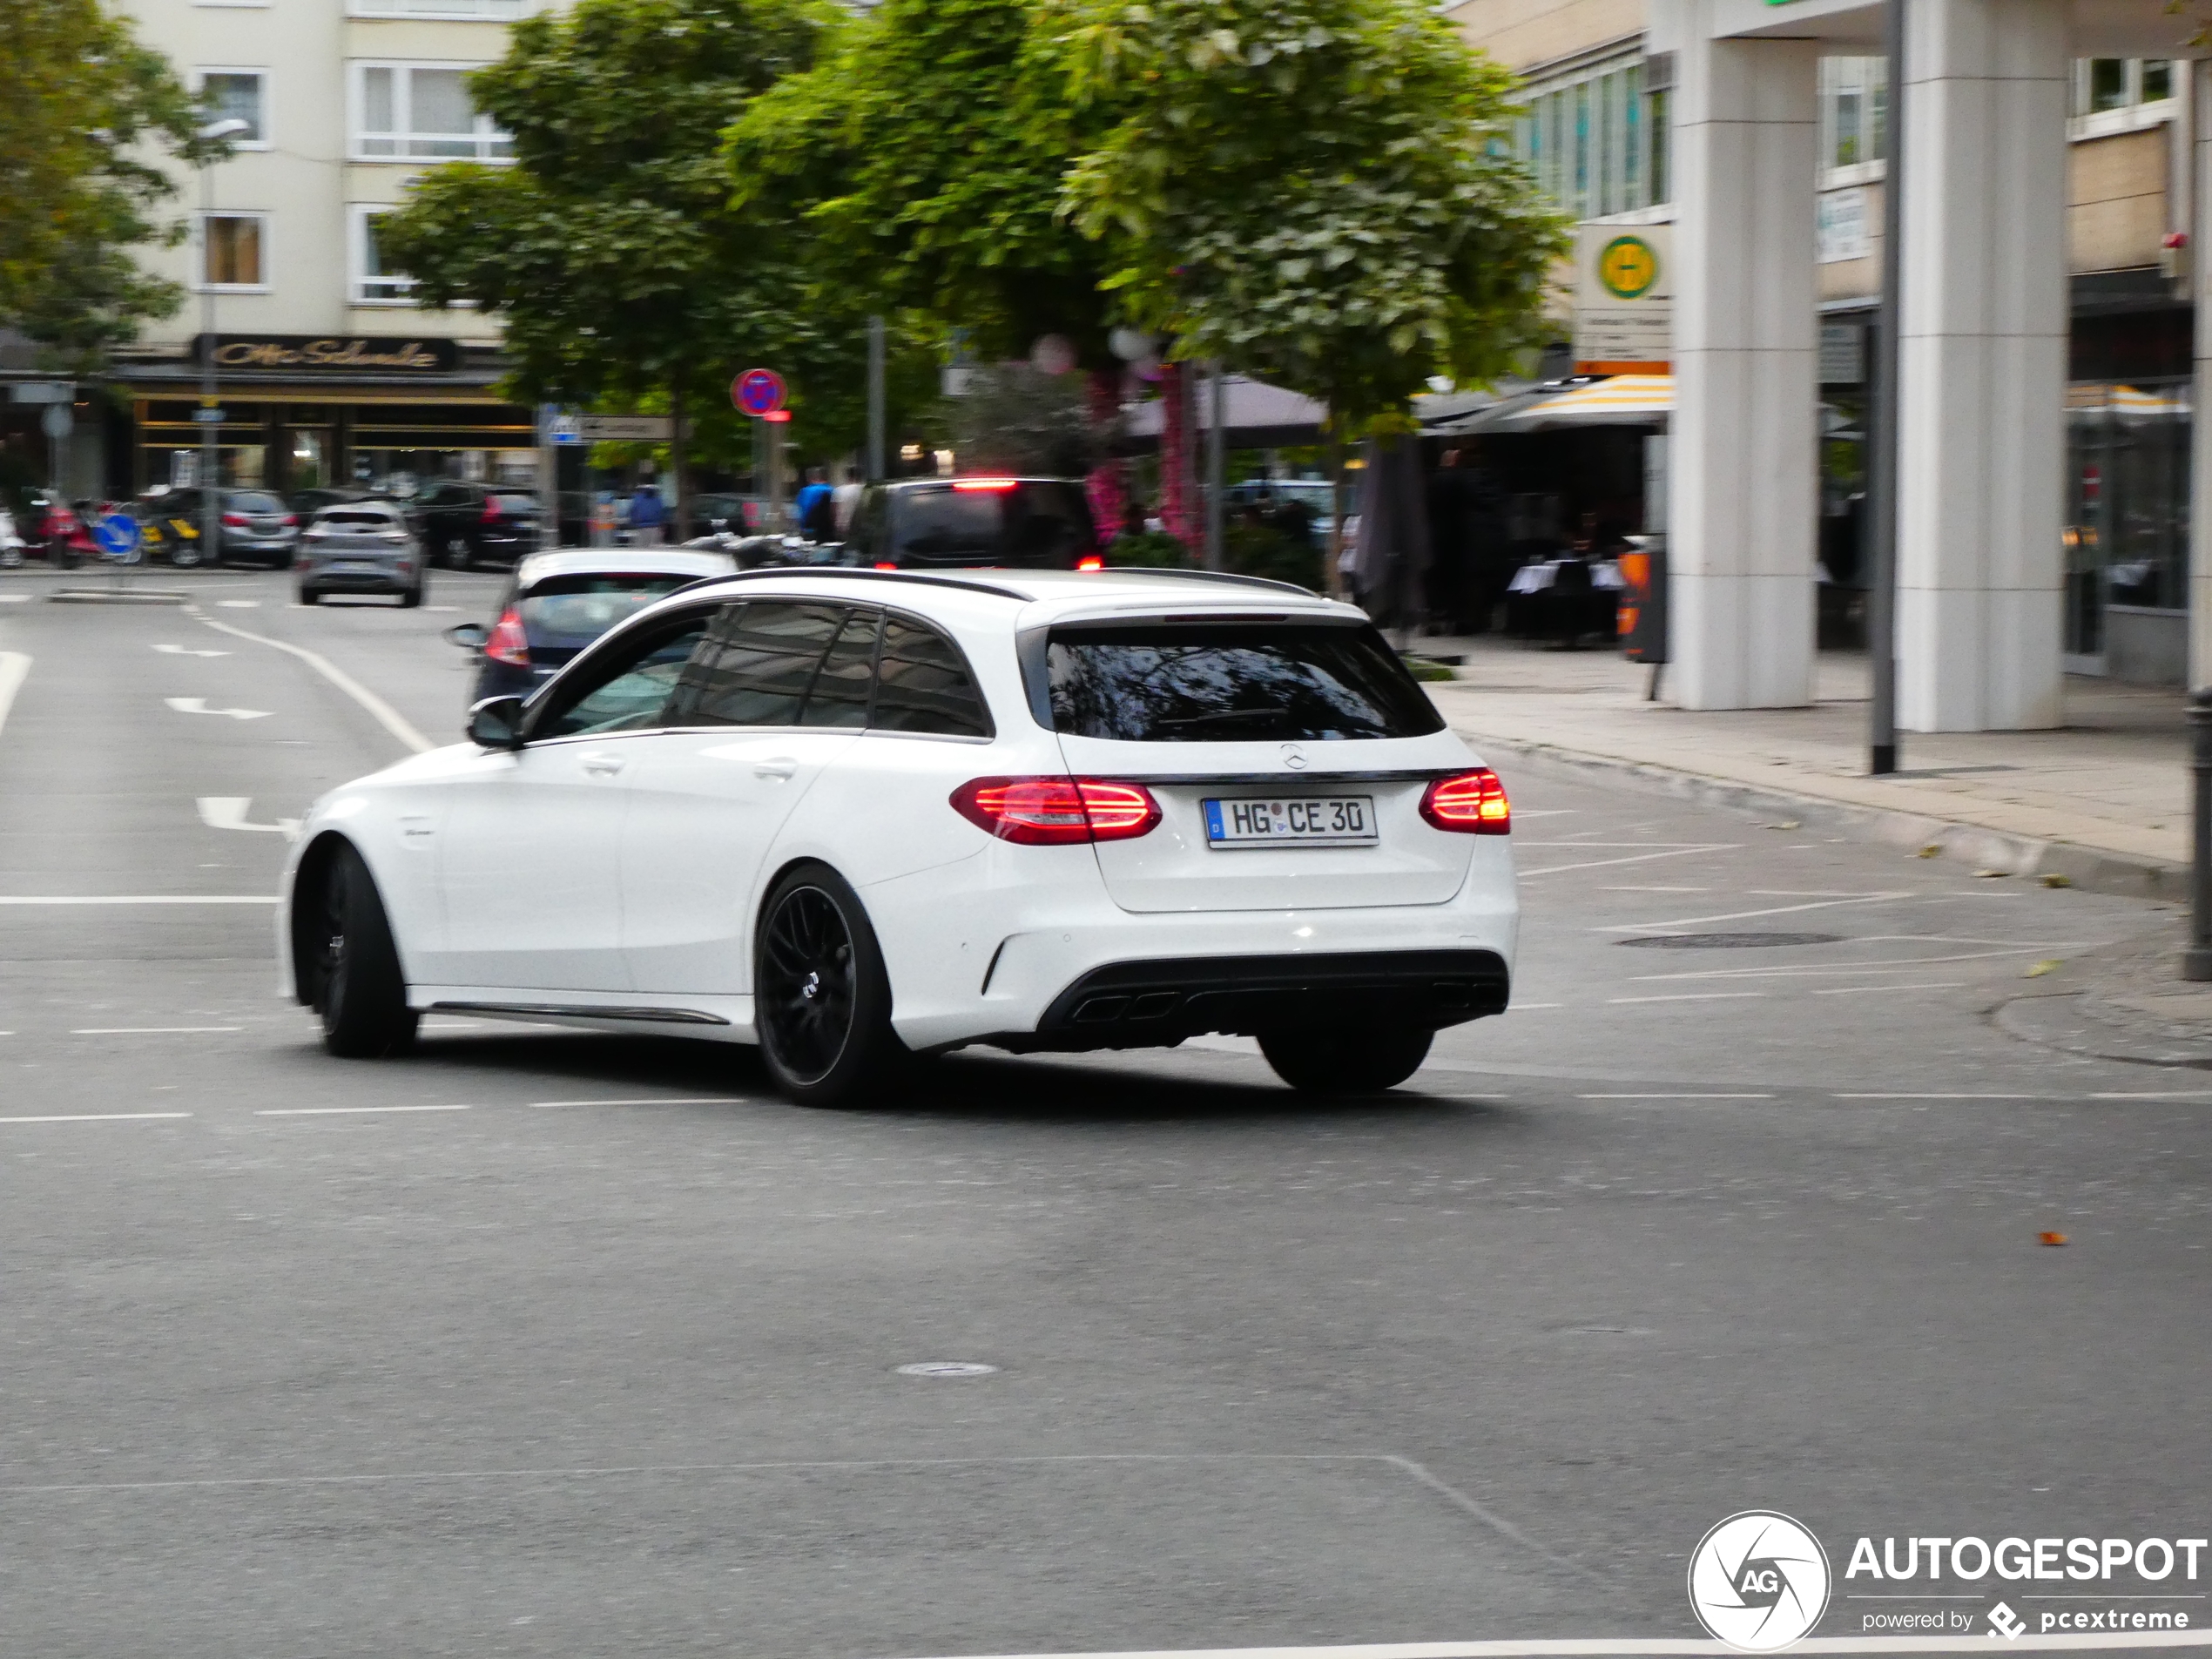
(61, 536)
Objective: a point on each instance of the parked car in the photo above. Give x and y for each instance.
(308, 503)
(715, 513)
(360, 547)
(167, 533)
(855, 816)
(938, 523)
(559, 603)
(251, 525)
(466, 525)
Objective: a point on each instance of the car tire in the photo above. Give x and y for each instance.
(412, 597)
(357, 986)
(185, 558)
(821, 996)
(310, 596)
(1345, 1059)
(458, 556)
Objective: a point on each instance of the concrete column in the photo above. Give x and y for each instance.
(1980, 572)
(1744, 496)
(2199, 287)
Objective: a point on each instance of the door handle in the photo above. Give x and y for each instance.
(780, 768)
(603, 766)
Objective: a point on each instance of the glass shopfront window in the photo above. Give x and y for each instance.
(1595, 139)
(2127, 504)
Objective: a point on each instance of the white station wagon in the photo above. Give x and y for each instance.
(855, 816)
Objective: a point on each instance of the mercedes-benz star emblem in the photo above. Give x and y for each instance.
(1294, 757)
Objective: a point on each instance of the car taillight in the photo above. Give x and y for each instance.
(508, 644)
(885, 564)
(290, 521)
(1090, 562)
(1057, 812)
(994, 485)
(491, 509)
(234, 521)
(1472, 802)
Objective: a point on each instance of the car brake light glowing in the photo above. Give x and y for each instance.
(984, 483)
(508, 644)
(235, 521)
(1090, 562)
(291, 521)
(491, 509)
(885, 564)
(1472, 803)
(1057, 812)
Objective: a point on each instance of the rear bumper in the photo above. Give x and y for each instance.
(1148, 1003)
(357, 580)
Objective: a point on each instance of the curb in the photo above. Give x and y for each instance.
(2090, 868)
(123, 596)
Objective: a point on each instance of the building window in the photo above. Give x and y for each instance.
(495, 10)
(236, 95)
(1595, 139)
(421, 112)
(1854, 110)
(2103, 85)
(373, 284)
(232, 251)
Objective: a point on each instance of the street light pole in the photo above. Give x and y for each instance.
(210, 501)
(1881, 516)
(876, 418)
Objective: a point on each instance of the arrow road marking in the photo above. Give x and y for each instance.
(198, 706)
(15, 668)
(187, 650)
(228, 811)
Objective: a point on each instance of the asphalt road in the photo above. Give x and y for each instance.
(546, 1343)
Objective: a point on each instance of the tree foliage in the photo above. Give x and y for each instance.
(926, 158)
(86, 115)
(1313, 191)
(610, 251)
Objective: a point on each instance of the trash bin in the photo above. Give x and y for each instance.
(1644, 606)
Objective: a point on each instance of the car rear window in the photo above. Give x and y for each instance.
(971, 521)
(583, 607)
(515, 503)
(1168, 681)
(357, 519)
(252, 501)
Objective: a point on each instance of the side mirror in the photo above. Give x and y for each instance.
(496, 722)
(469, 636)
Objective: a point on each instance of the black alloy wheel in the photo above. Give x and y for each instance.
(353, 966)
(821, 998)
(1345, 1059)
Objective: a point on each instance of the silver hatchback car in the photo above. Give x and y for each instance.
(360, 547)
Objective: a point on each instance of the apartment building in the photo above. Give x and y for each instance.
(1597, 133)
(329, 373)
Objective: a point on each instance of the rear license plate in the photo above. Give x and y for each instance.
(1292, 820)
(356, 567)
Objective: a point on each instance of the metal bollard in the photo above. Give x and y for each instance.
(2197, 961)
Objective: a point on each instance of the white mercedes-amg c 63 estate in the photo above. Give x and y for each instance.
(854, 816)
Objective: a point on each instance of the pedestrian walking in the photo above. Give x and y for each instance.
(648, 515)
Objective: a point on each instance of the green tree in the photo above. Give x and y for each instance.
(86, 116)
(1313, 190)
(609, 249)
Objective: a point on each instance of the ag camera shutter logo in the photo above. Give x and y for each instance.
(1759, 1582)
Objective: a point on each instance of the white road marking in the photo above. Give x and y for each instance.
(1548, 811)
(1744, 915)
(2009, 1094)
(149, 1030)
(1523, 1008)
(1638, 858)
(349, 1111)
(14, 598)
(1674, 1097)
(1916, 985)
(198, 706)
(1687, 996)
(157, 898)
(187, 651)
(1653, 889)
(96, 1117)
(2148, 1094)
(240, 605)
(15, 669)
(228, 811)
(382, 712)
(657, 1100)
(1804, 970)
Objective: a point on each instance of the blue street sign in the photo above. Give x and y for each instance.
(118, 535)
(207, 417)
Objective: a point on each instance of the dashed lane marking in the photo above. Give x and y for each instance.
(144, 898)
(15, 668)
(1688, 996)
(1918, 985)
(349, 1111)
(1636, 858)
(240, 605)
(149, 1030)
(382, 712)
(1683, 1096)
(1743, 915)
(2005, 1094)
(198, 706)
(96, 1117)
(656, 1100)
(188, 651)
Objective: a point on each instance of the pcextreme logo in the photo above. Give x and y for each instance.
(1758, 1582)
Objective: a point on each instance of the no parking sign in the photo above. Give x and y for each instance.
(757, 392)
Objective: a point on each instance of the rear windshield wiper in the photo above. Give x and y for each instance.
(1220, 715)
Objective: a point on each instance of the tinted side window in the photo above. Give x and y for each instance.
(839, 696)
(629, 691)
(762, 662)
(922, 685)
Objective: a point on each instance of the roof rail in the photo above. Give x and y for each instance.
(927, 578)
(1213, 575)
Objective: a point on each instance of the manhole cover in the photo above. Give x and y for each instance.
(948, 1368)
(1726, 942)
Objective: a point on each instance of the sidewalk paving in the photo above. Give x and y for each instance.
(2102, 800)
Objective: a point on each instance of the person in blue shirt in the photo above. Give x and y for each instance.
(647, 514)
(813, 506)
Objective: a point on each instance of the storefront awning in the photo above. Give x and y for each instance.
(1619, 399)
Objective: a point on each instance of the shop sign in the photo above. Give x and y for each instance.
(1623, 298)
(1842, 227)
(328, 353)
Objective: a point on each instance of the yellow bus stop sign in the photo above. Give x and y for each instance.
(1627, 266)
